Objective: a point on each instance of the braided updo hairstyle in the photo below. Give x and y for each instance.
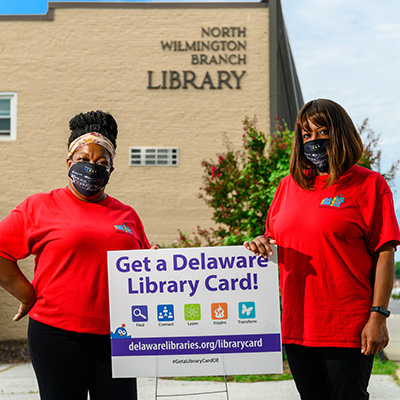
(93, 121)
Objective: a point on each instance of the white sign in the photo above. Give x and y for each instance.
(194, 312)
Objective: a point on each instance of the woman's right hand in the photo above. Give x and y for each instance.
(260, 245)
(24, 309)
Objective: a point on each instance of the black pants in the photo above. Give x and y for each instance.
(329, 373)
(68, 365)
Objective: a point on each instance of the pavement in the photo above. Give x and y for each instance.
(18, 382)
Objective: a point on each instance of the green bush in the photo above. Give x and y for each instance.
(240, 185)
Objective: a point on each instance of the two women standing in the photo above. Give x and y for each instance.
(333, 222)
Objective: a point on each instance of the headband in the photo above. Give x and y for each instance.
(92, 137)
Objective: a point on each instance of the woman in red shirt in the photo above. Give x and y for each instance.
(70, 230)
(336, 231)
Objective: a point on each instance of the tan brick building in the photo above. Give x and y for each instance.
(175, 76)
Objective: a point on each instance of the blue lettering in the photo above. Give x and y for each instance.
(207, 283)
(245, 283)
(226, 262)
(173, 287)
(262, 262)
(151, 286)
(125, 266)
(137, 266)
(203, 260)
(193, 262)
(161, 265)
(224, 284)
(130, 287)
(241, 262)
(212, 263)
(146, 264)
(184, 262)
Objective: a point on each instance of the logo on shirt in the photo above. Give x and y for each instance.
(124, 228)
(336, 201)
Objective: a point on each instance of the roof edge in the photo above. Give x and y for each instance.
(285, 93)
(127, 5)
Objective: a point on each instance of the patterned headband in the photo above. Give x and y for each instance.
(92, 137)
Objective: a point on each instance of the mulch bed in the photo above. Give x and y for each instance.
(14, 352)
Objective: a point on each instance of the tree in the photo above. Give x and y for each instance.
(240, 185)
(371, 157)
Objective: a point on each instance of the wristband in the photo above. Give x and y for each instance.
(380, 310)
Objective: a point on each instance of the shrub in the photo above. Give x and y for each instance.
(240, 186)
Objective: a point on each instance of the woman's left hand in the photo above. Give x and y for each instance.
(375, 335)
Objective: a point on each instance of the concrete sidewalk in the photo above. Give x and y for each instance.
(18, 382)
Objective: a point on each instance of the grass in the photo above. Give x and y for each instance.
(382, 366)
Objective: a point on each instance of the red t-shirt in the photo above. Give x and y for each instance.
(326, 241)
(70, 239)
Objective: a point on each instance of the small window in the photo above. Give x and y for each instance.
(152, 156)
(8, 116)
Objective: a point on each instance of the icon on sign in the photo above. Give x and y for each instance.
(192, 312)
(120, 333)
(139, 314)
(165, 312)
(219, 311)
(247, 309)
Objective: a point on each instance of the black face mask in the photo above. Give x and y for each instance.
(315, 151)
(87, 178)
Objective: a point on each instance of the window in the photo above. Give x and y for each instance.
(8, 116)
(152, 156)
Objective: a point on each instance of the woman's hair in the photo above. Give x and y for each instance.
(93, 121)
(344, 146)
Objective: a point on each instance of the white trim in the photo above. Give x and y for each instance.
(12, 96)
(153, 156)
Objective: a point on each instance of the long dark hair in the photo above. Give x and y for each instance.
(345, 146)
